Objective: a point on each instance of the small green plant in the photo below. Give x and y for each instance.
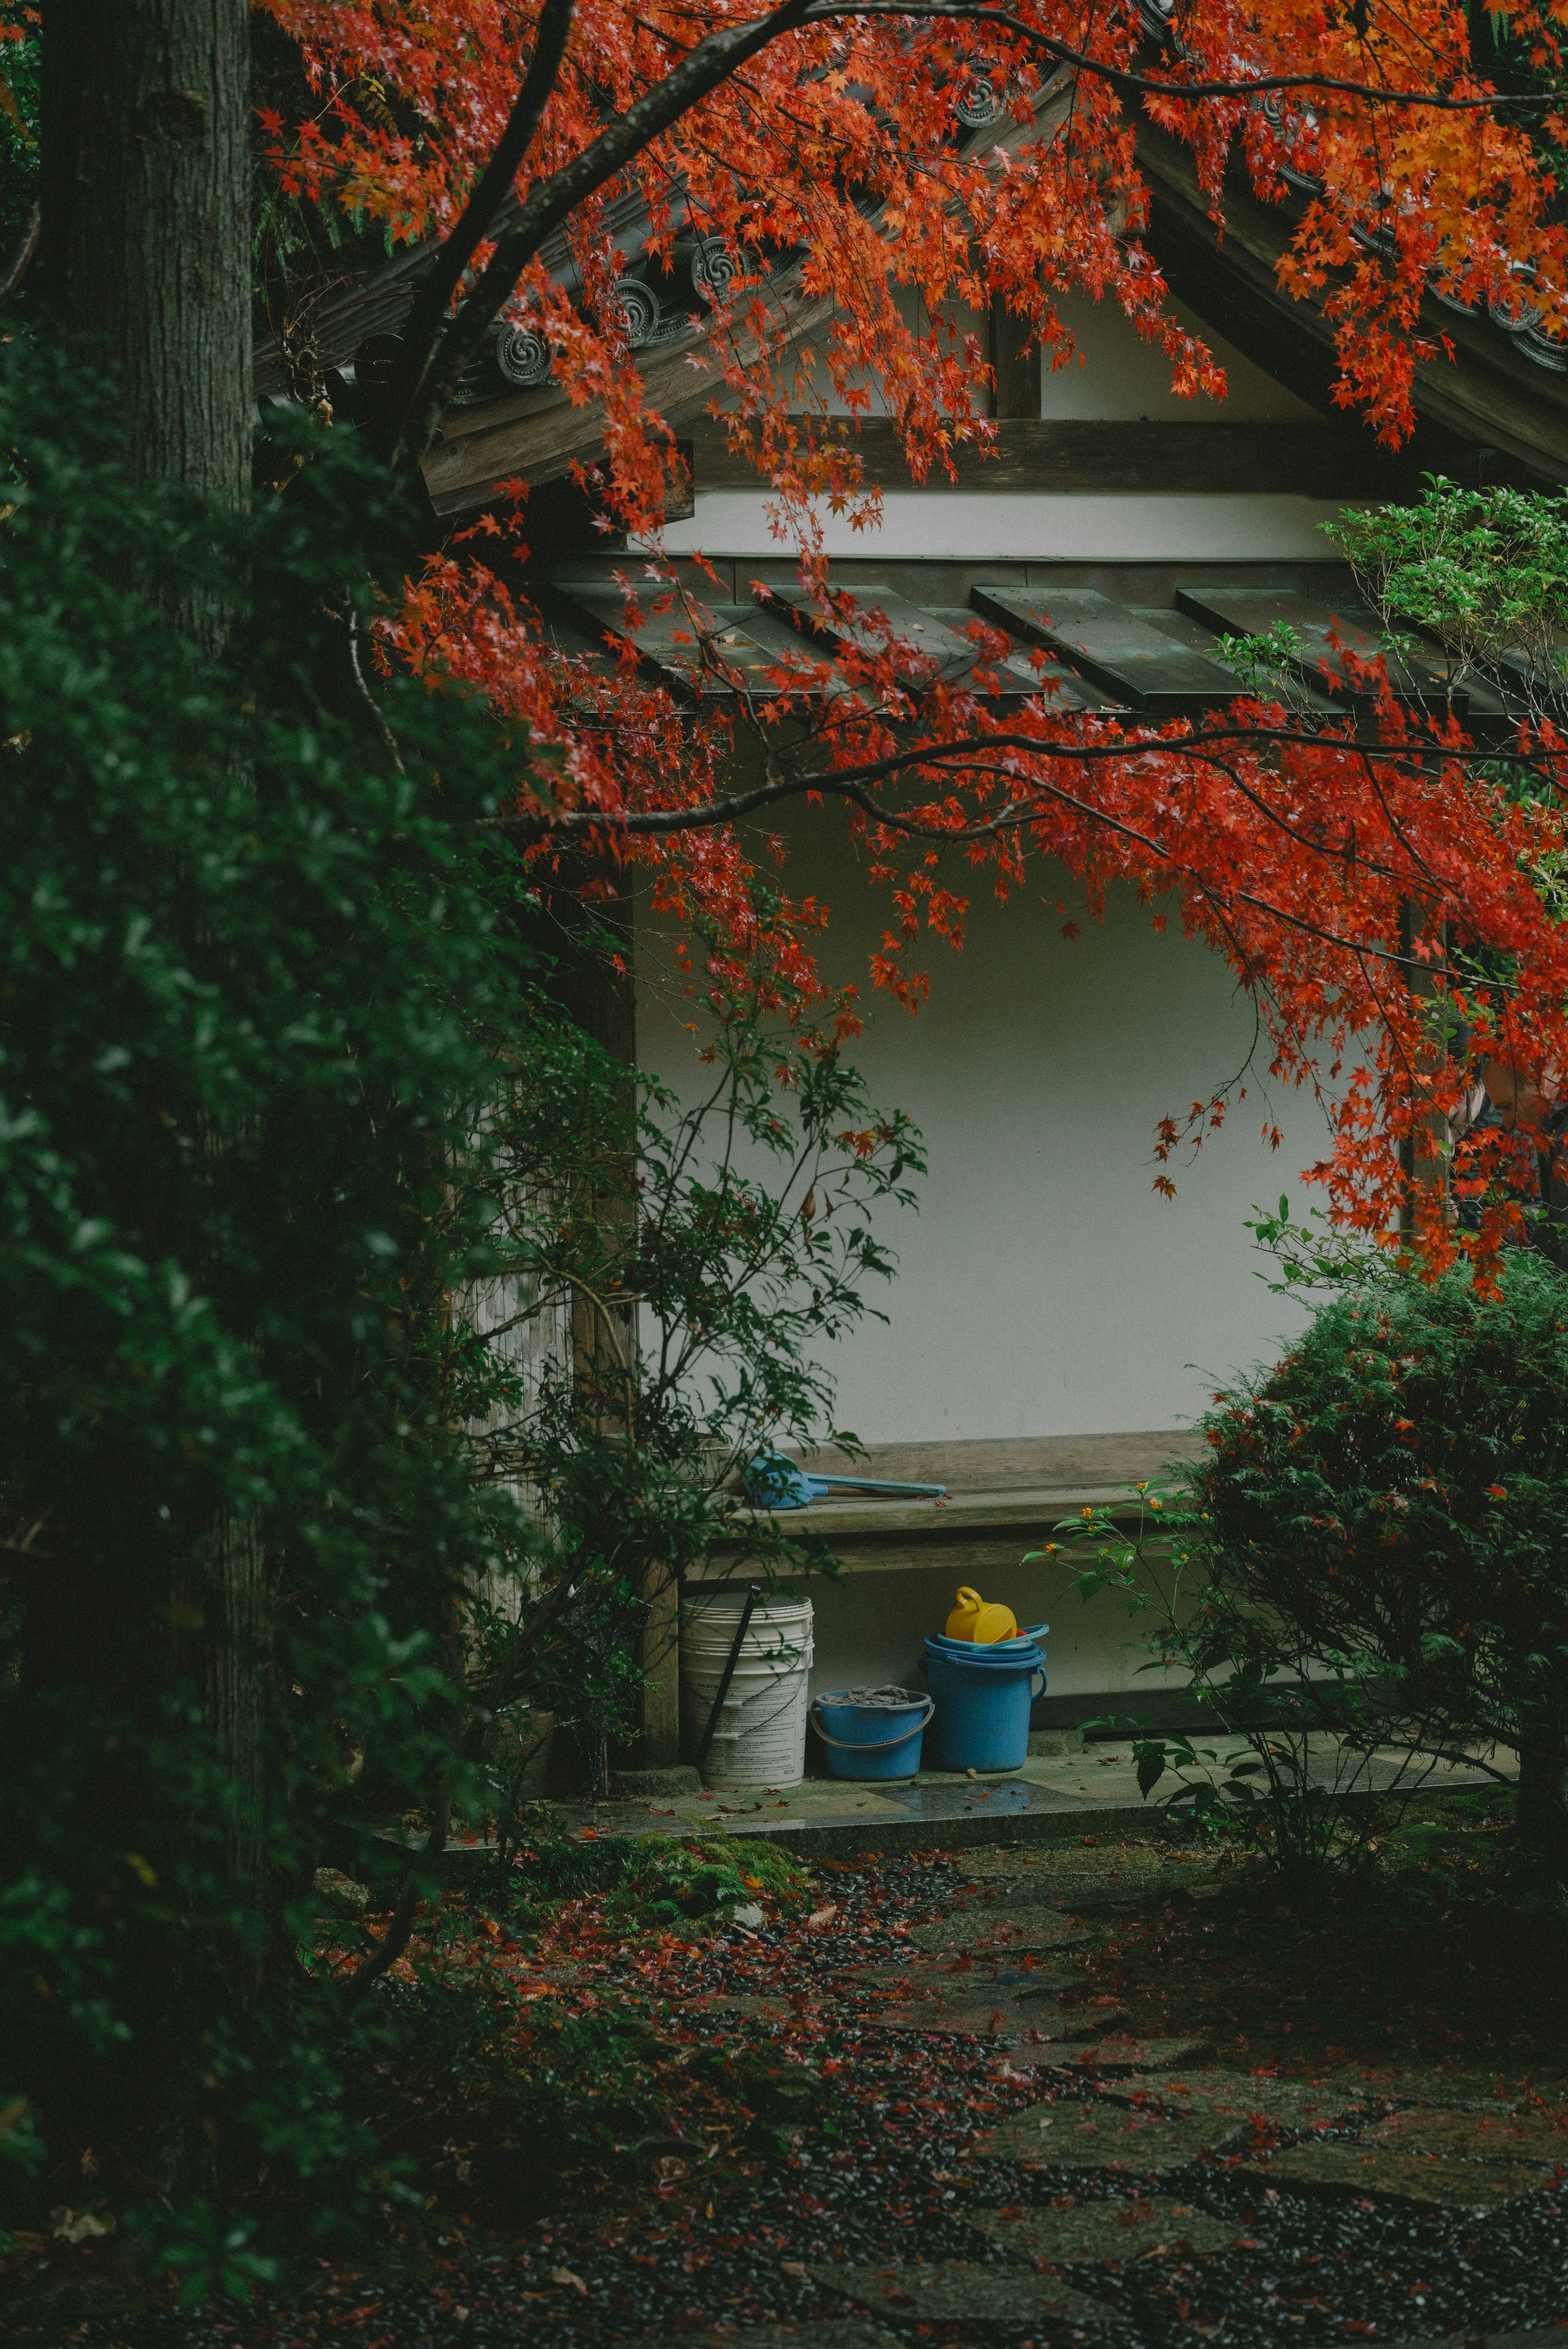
(1486, 570)
(1374, 1550)
(645, 1881)
(1285, 1773)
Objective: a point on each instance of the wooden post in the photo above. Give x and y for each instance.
(601, 1000)
(1017, 392)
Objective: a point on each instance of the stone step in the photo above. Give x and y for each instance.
(950, 1974)
(833, 2333)
(1114, 2056)
(953, 2293)
(1243, 2103)
(997, 1934)
(1119, 2232)
(1140, 2142)
(1433, 2160)
(1004, 2018)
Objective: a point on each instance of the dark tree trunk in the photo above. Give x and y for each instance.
(1542, 1811)
(147, 223)
(147, 204)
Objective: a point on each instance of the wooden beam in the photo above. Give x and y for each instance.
(1016, 393)
(1313, 461)
(540, 435)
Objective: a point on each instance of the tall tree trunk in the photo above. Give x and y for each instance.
(147, 223)
(147, 208)
(1542, 1812)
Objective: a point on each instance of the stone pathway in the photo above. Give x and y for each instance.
(1147, 2194)
(938, 2132)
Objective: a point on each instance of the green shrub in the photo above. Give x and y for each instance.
(1390, 1504)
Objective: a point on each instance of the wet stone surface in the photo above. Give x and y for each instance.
(821, 2334)
(996, 1933)
(1115, 2057)
(1239, 2103)
(1437, 2160)
(1113, 2232)
(1146, 2143)
(934, 1976)
(1005, 2017)
(954, 2293)
(914, 2180)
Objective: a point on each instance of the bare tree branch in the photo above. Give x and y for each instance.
(1152, 85)
(553, 201)
(426, 325)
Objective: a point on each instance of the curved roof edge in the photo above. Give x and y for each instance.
(1491, 398)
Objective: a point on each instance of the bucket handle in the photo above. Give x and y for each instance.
(1038, 1675)
(877, 1744)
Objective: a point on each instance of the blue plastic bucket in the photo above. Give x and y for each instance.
(872, 1741)
(1028, 1637)
(982, 1700)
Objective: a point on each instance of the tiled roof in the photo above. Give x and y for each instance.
(1154, 661)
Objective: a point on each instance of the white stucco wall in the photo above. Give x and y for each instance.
(1045, 1287)
(1114, 374)
(1107, 371)
(1027, 527)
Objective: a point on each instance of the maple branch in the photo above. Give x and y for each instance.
(852, 782)
(14, 268)
(450, 347)
(1148, 84)
(482, 214)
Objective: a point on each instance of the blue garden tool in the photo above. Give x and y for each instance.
(772, 1482)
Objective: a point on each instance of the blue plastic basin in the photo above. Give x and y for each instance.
(870, 1741)
(983, 1697)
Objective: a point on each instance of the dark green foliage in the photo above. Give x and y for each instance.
(283, 1101)
(1376, 1546)
(251, 960)
(1396, 1490)
(703, 1254)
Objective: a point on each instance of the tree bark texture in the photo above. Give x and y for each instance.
(146, 205)
(147, 219)
(1542, 1812)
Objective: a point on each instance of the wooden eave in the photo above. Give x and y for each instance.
(1492, 396)
(1103, 656)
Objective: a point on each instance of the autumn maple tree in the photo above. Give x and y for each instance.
(817, 146)
(261, 928)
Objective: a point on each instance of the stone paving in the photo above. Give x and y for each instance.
(1161, 2156)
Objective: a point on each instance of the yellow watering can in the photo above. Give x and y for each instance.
(973, 1619)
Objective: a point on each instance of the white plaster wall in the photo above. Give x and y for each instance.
(996, 525)
(1115, 374)
(1109, 372)
(1045, 1287)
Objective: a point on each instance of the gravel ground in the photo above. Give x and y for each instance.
(865, 2206)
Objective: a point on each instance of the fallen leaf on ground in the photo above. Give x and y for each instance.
(77, 2225)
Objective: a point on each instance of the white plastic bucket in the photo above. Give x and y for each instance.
(759, 1737)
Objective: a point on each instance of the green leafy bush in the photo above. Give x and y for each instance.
(279, 1075)
(1373, 1548)
(251, 963)
(1388, 1506)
